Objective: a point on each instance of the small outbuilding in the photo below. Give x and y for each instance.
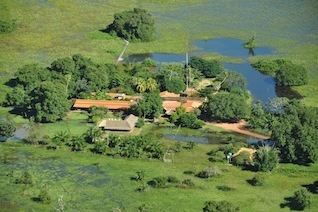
(128, 124)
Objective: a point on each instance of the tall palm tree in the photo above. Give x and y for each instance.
(77, 143)
(141, 84)
(151, 84)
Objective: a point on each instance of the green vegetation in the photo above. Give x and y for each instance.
(50, 30)
(136, 25)
(6, 129)
(208, 68)
(222, 206)
(225, 107)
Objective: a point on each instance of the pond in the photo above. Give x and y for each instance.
(262, 87)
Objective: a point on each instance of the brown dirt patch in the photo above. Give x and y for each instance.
(239, 127)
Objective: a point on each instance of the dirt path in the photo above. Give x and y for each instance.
(239, 127)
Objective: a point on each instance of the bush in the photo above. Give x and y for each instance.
(222, 206)
(209, 172)
(7, 26)
(26, 178)
(225, 188)
(140, 123)
(188, 182)
(6, 129)
(266, 159)
(301, 199)
(172, 179)
(242, 159)
(44, 195)
(218, 156)
(258, 180)
(158, 182)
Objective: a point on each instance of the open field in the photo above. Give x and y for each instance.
(48, 30)
(94, 182)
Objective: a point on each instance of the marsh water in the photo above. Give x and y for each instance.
(262, 87)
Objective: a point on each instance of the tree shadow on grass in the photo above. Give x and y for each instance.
(290, 203)
(313, 188)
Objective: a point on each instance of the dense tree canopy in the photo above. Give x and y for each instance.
(296, 132)
(291, 75)
(285, 72)
(225, 107)
(208, 68)
(171, 78)
(232, 80)
(48, 102)
(150, 106)
(135, 25)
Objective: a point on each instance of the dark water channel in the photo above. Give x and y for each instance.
(262, 87)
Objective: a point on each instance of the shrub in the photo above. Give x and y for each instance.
(26, 178)
(140, 123)
(258, 180)
(209, 172)
(172, 179)
(225, 188)
(7, 26)
(44, 195)
(222, 206)
(242, 159)
(301, 199)
(266, 159)
(188, 182)
(218, 156)
(159, 182)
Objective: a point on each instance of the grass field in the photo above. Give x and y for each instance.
(93, 182)
(48, 30)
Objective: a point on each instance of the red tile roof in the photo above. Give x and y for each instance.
(110, 104)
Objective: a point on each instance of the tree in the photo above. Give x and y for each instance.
(189, 120)
(222, 206)
(225, 107)
(208, 68)
(296, 132)
(6, 129)
(233, 80)
(48, 102)
(18, 97)
(250, 43)
(266, 159)
(150, 106)
(136, 25)
(171, 78)
(63, 66)
(31, 75)
(290, 74)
